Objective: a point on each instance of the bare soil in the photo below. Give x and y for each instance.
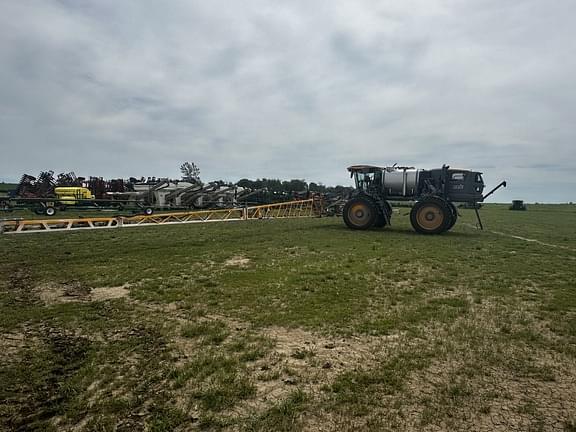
(51, 293)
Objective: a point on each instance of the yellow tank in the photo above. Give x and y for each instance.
(69, 195)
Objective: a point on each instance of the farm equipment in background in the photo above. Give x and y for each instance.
(48, 195)
(434, 191)
(518, 205)
(32, 187)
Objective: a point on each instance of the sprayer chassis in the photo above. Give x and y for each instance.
(434, 192)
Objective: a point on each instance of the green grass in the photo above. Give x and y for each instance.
(433, 330)
(212, 332)
(283, 416)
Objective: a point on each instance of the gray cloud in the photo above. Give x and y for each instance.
(291, 90)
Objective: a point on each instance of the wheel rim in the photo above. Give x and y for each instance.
(359, 214)
(430, 217)
(50, 211)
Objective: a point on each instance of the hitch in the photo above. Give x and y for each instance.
(478, 218)
(494, 190)
(480, 225)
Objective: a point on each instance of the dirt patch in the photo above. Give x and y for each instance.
(237, 261)
(477, 381)
(341, 352)
(69, 292)
(13, 343)
(487, 384)
(109, 293)
(493, 400)
(309, 360)
(296, 359)
(51, 293)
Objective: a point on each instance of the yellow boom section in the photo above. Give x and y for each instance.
(290, 209)
(69, 195)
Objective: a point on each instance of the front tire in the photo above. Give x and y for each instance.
(360, 213)
(49, 211)
(431, 216)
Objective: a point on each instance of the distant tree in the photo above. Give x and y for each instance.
(273, 185)
(282, 189)
(295, 185)
(190, 172)
(316, 187)
(340, 190)
(246, 183)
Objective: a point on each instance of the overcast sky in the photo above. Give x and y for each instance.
(292, 89)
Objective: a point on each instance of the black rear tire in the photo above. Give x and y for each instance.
(431, 216)
(453, 214)
(360, 213)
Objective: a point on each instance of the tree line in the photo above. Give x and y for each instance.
(191, 173)
(289, 186)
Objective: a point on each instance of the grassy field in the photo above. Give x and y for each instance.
(293, 325)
